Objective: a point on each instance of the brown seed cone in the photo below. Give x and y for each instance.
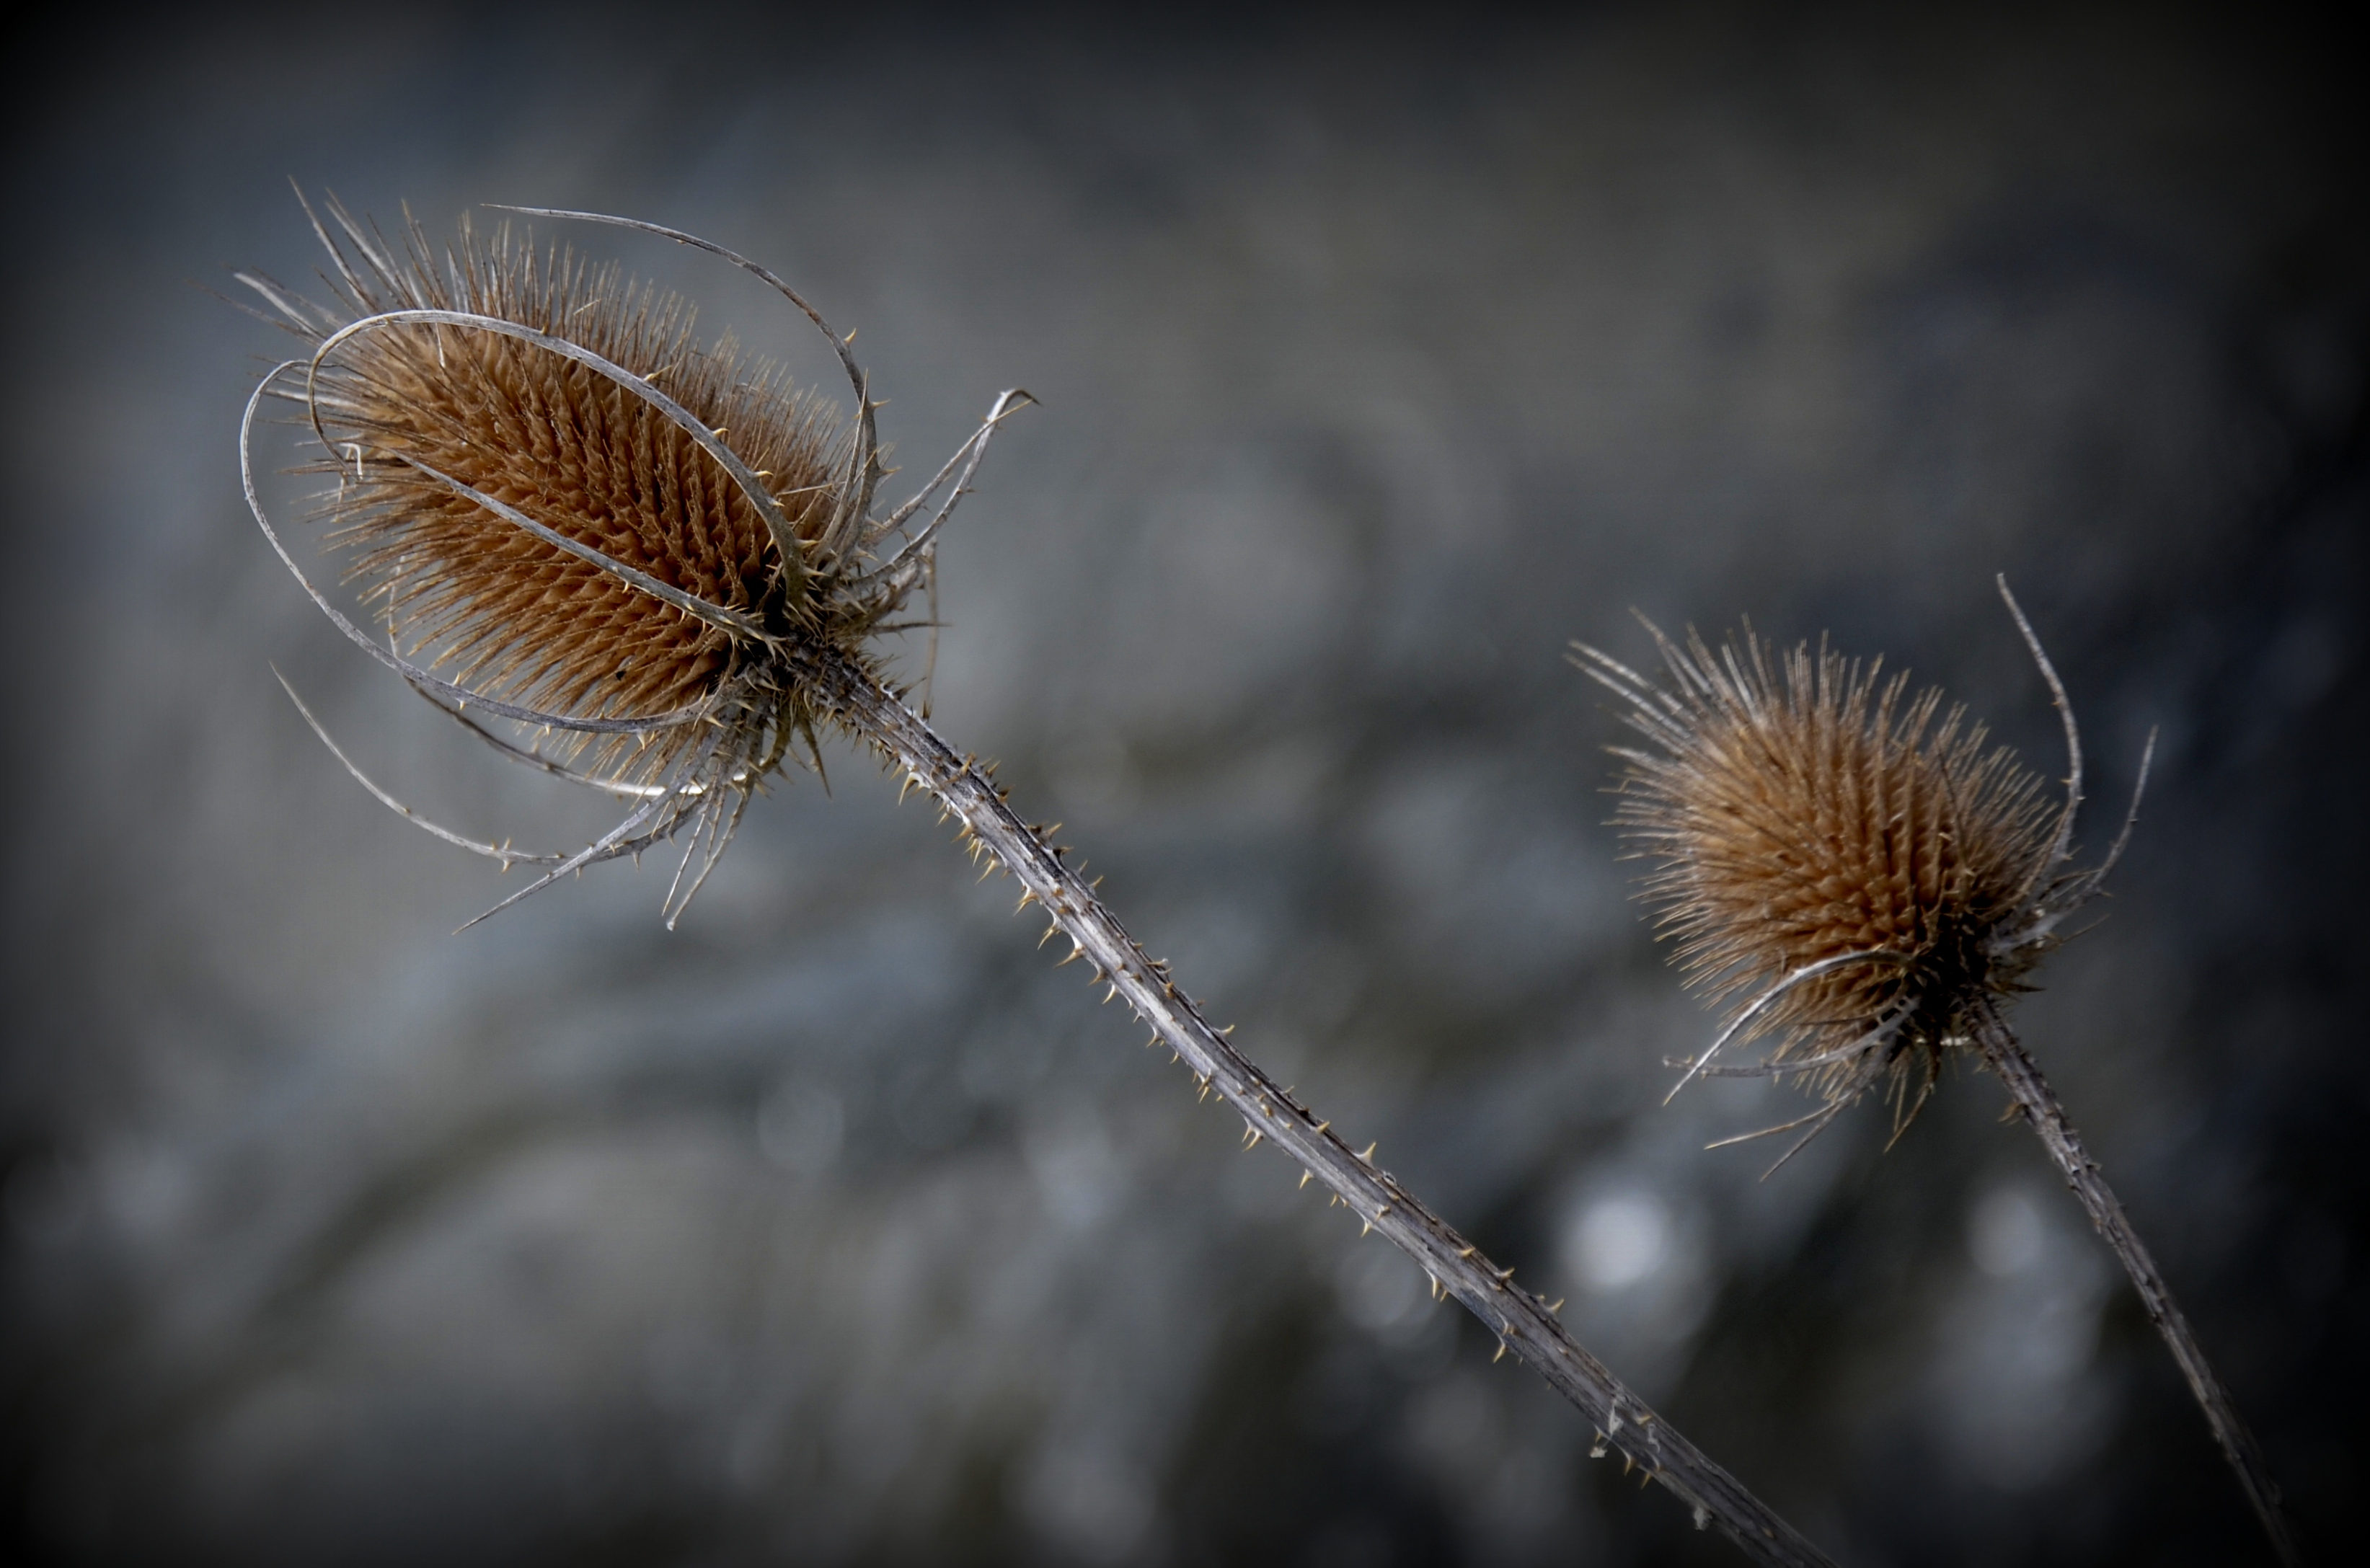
(570, 514)
(1810, 821)
(510, 615)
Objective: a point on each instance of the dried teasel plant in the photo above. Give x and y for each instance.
(661, 569)
(1866, 882)
(598, 525)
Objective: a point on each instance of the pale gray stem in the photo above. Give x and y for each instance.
(2007, 1056)
(1522, 1322)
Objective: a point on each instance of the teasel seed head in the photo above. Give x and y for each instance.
(1851, 868)
(566, 510)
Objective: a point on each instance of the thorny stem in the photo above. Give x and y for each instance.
(2038, 1104)
(1522, 1322)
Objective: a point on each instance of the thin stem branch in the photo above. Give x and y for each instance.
(2007, 1056)
(1522, 1322)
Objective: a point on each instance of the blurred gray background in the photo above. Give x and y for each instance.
(1380, 356)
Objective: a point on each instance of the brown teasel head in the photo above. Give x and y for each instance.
(1852, 868)
(564, 509)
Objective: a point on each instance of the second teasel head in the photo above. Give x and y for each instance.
(1852, 868)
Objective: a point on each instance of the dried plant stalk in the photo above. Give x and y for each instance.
(2038, 1104)
(1877, 883)
(603, 528)
(1523, 1323)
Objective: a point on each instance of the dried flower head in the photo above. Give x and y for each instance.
(567, 511)
(1871, 881)
(1854, 867)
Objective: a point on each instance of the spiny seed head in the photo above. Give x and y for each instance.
(1853, 867)
(512, 614)
(419, 394)
(567, 510)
